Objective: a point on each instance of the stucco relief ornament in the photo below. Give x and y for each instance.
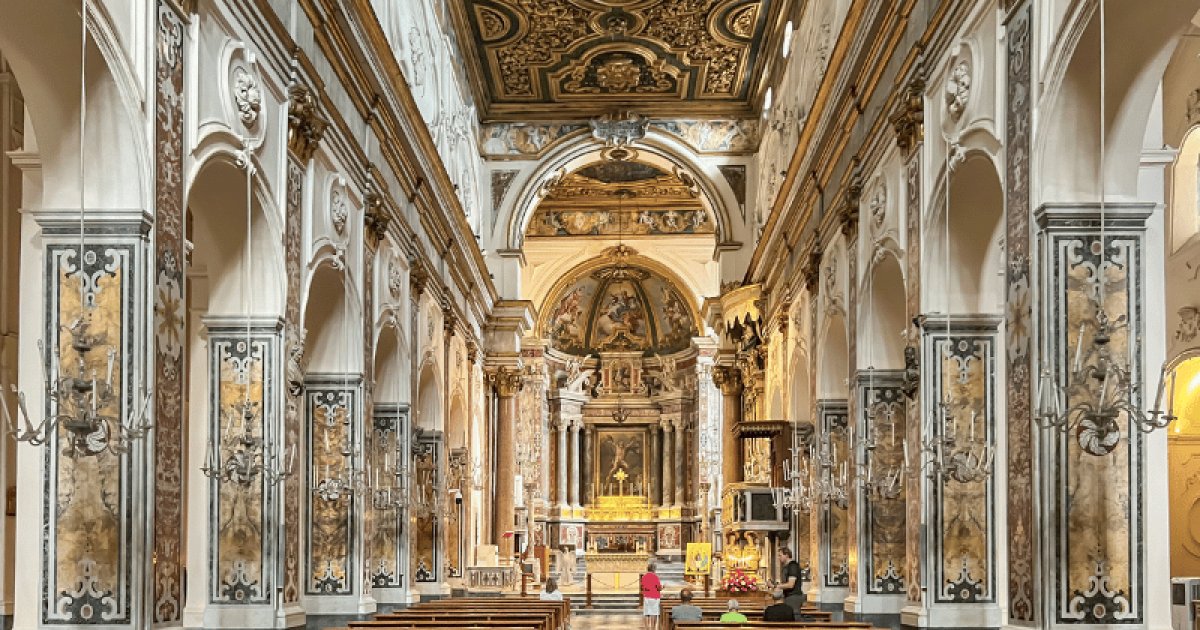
(619, 129)
(246, 95)
(395, 280)
(958, 89)
(338, 210)
(1189, 324)
(878, 206)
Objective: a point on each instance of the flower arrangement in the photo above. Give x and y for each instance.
(738, 581)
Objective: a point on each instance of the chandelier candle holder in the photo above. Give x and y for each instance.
(249, 456)
(945, 456)
(831, 478)
(1101, 390)
(880, 481)
(797, 495)
(387, 486)
(79, 398)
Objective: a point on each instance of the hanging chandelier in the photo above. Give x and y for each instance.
(880, 482)
(387, 485)
(1101, 389)
(237, 455)
(87, 406)
(952, 459)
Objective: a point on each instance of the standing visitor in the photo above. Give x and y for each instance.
(651, 596)
(791, 581)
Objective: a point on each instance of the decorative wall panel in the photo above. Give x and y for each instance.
(1098, 563)
(91, 501)
(961, 398)
(385, 446)
(914, 480)
(1022, 547)
(243, 373)
(333, 411)
(882, 418)
(426, 550)
(835, 523)
(169, 317)
(294, 405)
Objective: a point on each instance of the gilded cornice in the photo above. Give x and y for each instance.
(384, 101)
(823, 142)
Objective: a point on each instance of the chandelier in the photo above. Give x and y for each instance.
(249, 456)
(87, 406)
(797, 495)
(387, 484)
(944, 456)
(880, 482)
(80, 400)
(1101, 389)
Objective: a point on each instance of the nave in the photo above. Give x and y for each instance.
(317, 311)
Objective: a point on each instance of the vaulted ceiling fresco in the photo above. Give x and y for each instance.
(619, 307)
(620, 198)
(530, 57)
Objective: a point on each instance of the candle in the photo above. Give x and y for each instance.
(1104, 387)
(1078, 349)
(208, 456)
(326, 434)
(1162, 383)
(905, 455)
(112, 355)
(93, 392)
(1171, 398)
(974, 417)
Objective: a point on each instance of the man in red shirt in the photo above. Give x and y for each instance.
(651, 598)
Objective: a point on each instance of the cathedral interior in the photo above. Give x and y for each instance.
(417, 313)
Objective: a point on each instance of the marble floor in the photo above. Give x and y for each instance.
(618, 621)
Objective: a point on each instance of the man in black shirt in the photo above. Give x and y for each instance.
(778, 610)
(790, 580)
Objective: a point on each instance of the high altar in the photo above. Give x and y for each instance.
(621, 482)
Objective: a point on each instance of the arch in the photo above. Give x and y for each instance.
(41, 42)
(799, 394)
(392, 361)
(331, 317)
(568, 283)
(656, 148)
(429, 400)
(220, 231)
(1183, 207)
(833, 360)
(968, 271)
(456, 423)
(882, 315)
(1067, 155)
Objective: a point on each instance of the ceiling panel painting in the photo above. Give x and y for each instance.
(534, 56)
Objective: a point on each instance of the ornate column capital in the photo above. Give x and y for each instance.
(418, 276)
(908, 119)
(729, 379)
(375, 216)
(507, 381)
(667, 424)
(306, 126)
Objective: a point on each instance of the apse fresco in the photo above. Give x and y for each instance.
(620, 308)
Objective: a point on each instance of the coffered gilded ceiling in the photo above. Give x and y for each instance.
(583, 58)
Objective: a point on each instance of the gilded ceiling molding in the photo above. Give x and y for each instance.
(528, 57)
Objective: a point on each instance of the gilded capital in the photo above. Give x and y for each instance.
(729, 379)
(909, 117)
(306, 126)
(507, 381)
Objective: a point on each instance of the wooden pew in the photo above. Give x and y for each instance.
(765, 625)
(559, 612)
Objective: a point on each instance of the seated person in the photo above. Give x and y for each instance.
(686, 611)
(733, 616)
(550, 592)
(778, 610)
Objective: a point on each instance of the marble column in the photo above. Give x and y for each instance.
(589, 438)
(507, 382)
(573, 446)
(655, 489)
(560, 488)
(680, 445)
(668, 479)
(730, 382)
